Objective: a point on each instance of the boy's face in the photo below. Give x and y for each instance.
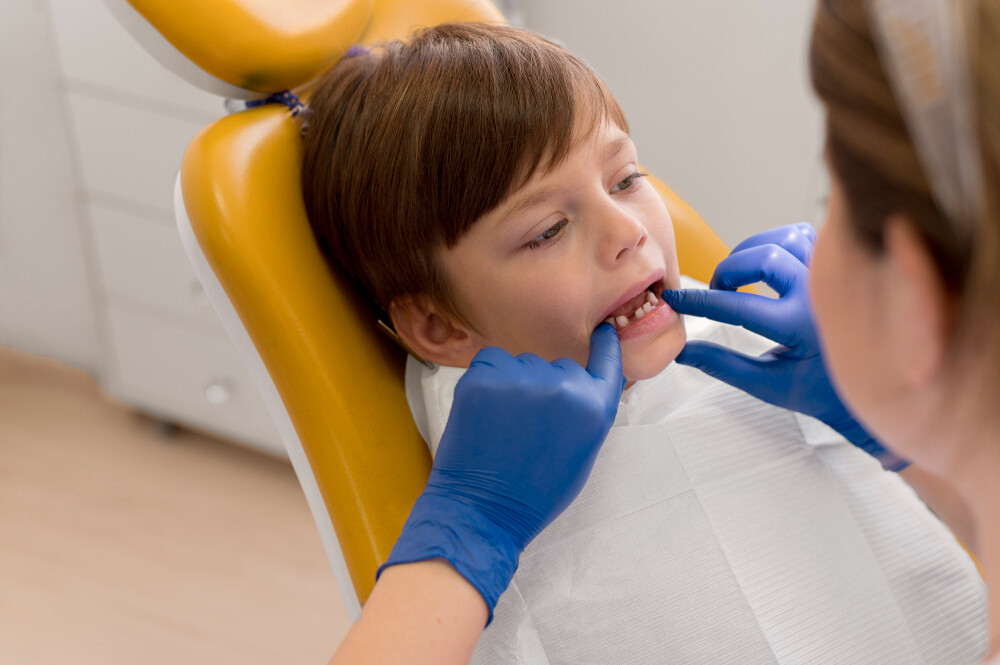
(562, 254)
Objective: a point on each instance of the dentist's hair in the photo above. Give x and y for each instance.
(873, 155)
(407, 145)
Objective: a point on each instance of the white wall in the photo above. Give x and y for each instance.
(46, 299)
(717, 94)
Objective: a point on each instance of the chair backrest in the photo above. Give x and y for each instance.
(333, 384)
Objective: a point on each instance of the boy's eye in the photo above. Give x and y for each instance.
(548, 235)
(628, 182)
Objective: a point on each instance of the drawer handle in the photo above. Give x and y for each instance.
(218, 393)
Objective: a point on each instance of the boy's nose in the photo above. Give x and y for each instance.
(623, 235)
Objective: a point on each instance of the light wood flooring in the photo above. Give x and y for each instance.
(119, 544)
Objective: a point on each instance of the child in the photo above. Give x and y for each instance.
(479, 184)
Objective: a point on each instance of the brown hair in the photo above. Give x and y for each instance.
(872, 153)
(409, 144)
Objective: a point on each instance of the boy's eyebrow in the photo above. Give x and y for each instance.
(540, 196)
(610, 150)
(614, 147)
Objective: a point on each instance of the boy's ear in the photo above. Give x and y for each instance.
(430, 331)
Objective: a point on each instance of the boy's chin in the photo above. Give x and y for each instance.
(647, 362)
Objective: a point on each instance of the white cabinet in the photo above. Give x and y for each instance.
(129, 154)
(142, 263)
(128, 122)
(186, 373)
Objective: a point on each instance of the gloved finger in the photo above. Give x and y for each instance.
(567, 365)
(605, 359)
(570, 365)
(808, 231)
(744, 372)
(737, 309)
(757, 314)
(491, 356)
(770, 264)
(797, 239)
(531, 360)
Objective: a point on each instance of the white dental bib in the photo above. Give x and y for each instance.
(719, 529)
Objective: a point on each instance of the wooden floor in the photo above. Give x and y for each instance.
(119, 544)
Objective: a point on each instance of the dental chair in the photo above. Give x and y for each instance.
(332, 382)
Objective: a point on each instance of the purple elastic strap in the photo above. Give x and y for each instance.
(288, 98)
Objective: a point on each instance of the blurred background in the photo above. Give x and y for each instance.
(115, 372)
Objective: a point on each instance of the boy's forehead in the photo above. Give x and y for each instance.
(597, 147)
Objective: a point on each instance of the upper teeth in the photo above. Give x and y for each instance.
(647, 307)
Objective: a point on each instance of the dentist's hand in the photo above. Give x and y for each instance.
(519, 445)
(792, 375)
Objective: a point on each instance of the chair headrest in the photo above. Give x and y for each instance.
(247, 49)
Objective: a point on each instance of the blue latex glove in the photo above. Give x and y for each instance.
(519, 445)
(792, 375)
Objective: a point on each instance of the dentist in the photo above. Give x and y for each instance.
(903, 284)
(904, 278)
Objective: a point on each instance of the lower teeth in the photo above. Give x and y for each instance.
(647, 307)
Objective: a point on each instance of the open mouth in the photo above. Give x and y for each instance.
(637, 307)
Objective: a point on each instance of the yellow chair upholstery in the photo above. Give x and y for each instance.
(339, 381)
(261, 46)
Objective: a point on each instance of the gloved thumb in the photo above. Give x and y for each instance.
(605, 359)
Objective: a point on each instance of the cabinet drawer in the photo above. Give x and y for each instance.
(143, 260)
(129, 153)
(187, 375)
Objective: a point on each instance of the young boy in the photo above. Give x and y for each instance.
(479, 184)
